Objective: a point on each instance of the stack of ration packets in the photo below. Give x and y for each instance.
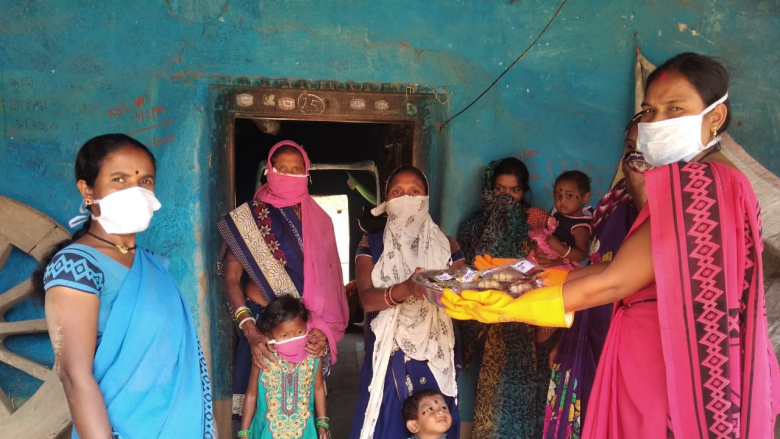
(513, 278)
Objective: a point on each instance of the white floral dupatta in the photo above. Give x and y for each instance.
(420, 329)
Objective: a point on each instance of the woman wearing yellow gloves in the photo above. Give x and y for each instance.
(688, 353)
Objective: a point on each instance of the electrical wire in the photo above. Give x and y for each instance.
(507, 69)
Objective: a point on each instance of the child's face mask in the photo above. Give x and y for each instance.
(292, 349)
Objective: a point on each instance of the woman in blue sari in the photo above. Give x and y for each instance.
(125, 346)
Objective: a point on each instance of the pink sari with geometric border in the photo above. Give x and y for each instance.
(721, 375)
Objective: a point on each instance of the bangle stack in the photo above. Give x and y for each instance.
(322, 421)
(389, 297)
(242, 310)
(243, 433)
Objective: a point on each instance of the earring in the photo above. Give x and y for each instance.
(714, 132)
(87, 202)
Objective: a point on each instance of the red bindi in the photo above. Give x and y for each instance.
(136, 172)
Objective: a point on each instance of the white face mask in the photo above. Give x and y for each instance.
(674, 140)
(127, 211)
(289, 340)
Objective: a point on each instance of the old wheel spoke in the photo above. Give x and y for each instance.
(6, 406)
(26, 365)
(23, 327)
(12, 297)
(5, 250)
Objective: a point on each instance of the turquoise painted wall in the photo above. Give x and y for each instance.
(72, 70)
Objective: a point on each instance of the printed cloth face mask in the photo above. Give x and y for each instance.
(292, 349)
(673, 140)
(636, 161)
(127, 211)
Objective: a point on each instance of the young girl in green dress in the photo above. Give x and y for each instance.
(281, 399)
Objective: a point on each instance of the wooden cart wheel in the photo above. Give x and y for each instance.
(45, 414)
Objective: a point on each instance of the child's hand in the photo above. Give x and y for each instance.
(553, 240)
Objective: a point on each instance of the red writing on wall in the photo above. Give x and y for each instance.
(142, 108)
(162, 141)
(147, 113)
(526, 156)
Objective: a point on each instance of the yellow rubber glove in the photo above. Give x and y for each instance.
(554, 276)
(540, 307)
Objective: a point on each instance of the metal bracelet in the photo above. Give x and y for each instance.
(241, 323)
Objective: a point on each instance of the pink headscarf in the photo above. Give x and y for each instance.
(323, 287)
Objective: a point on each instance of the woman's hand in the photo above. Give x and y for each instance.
(262, 354)
(553, 353)
(351, 288)
(317, 343)
(635, 184)
(411, 288)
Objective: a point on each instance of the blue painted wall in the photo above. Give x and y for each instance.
(72, 70)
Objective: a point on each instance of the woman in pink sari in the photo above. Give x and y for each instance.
(688, 353)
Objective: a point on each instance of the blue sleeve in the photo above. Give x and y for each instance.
(458, 256)
(364, 248)
(74, 268)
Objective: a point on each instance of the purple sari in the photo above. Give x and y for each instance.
(580, 346)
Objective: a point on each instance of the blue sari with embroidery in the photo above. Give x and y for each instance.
(268, 242)
(148, 363)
